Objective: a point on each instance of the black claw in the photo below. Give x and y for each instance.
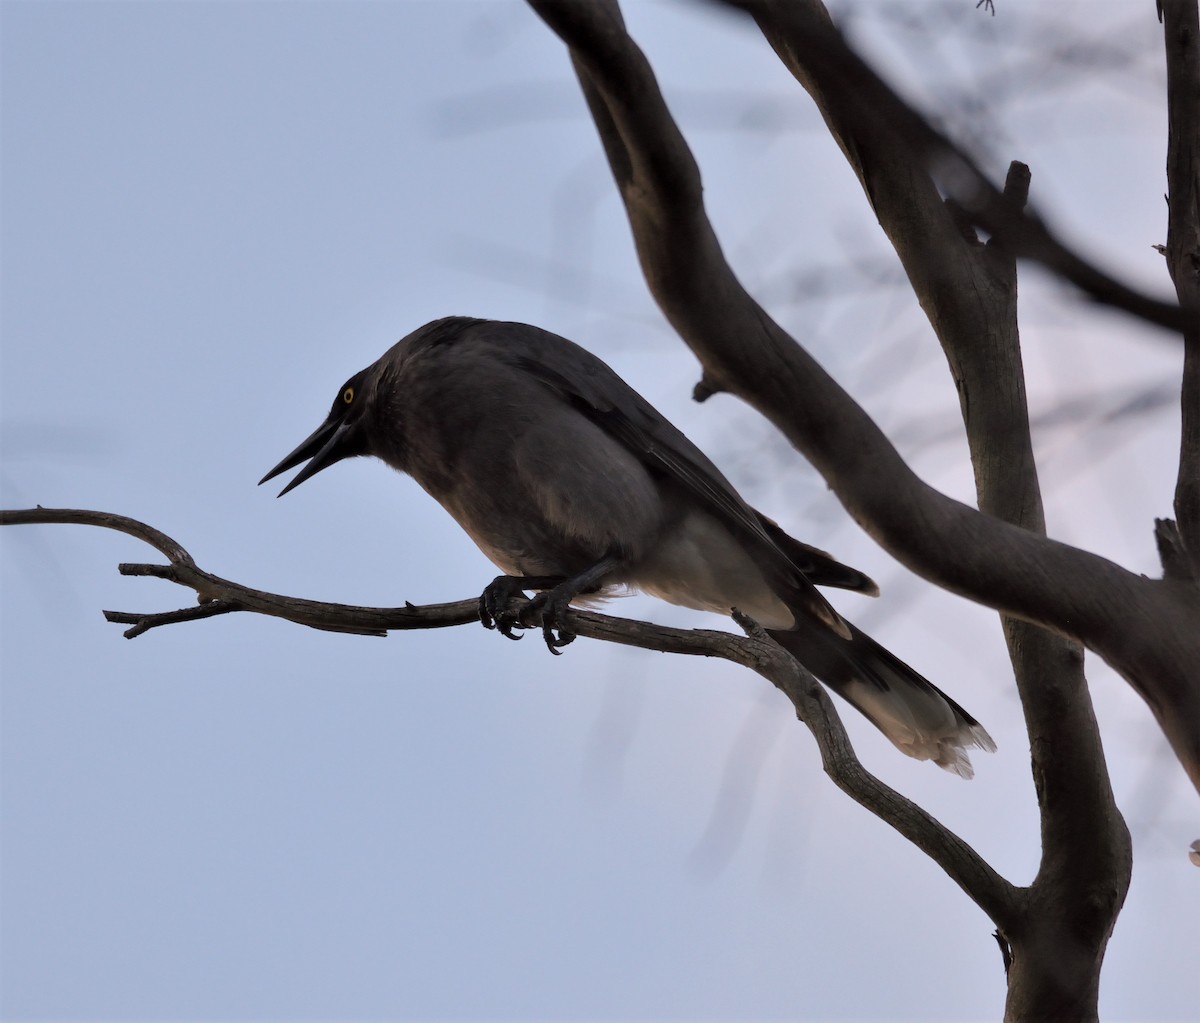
(555, 643)
(495, 606)
(548, 610)
(485, 612)
(544, 610)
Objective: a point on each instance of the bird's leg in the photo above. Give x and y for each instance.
(495, 603)
(546, 608)
(550, 606)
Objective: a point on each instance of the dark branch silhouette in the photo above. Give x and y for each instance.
(1181, 33)
(1015, 570)
(855, 96)
(930, 198)
(218, 596)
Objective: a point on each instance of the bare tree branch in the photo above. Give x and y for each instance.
(231, 596)
(1087, 855)
(145, 622)
(852, 94)
(1181, 34)
(756, 651)
(1170, 550)
(1144, 628)
(968, 290)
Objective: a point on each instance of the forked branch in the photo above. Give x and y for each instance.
(742, 350)
(853, 94)
(991, 892)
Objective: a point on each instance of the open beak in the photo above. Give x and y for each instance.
(325, 446)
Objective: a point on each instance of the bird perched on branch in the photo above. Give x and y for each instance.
(573, 485)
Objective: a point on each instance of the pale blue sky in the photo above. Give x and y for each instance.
(213, 213)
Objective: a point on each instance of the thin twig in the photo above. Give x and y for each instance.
(144, 622)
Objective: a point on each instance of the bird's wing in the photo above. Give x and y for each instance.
(613, 405)
(600, 394)
(819, 567)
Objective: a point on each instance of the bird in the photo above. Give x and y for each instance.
(576, 488)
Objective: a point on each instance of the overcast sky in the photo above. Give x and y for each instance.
(214, 213)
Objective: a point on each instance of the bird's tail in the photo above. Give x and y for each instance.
(921, 720)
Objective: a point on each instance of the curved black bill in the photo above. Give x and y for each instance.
(322, 447)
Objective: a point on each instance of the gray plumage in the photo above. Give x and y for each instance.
(573, 485)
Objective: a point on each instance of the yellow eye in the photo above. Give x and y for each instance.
(348, 395)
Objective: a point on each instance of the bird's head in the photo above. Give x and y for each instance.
(342, 435)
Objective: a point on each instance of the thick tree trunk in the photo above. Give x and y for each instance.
(1053, 979)
(1057, 951)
